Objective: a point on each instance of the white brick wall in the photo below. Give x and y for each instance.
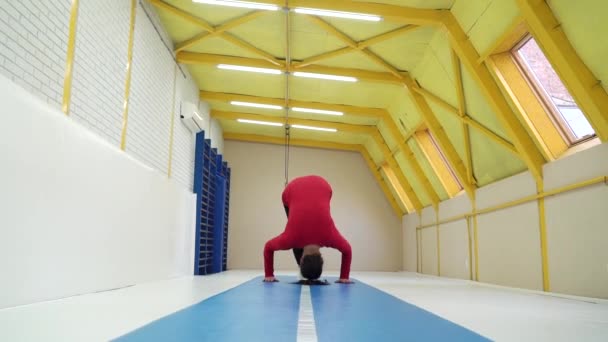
(33, 44)
(183, 139)
(100, 59)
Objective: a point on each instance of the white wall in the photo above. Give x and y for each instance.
(33, 54)
(359, 208)
(509, 240)
(78, 215)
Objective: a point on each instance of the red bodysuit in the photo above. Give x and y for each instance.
(309, 223)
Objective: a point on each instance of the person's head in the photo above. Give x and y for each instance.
(311, 266)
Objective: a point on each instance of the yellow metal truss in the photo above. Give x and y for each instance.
(363, 75)
(522, 141)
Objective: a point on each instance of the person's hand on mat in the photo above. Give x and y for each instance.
(344, 281)
(270, 280)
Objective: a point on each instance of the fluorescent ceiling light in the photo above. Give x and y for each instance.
(325, 77)
(316, 111)
(260, 122)
(240, 4)
(257, 105)
(347, 15)
(250, 69)
(315, 128)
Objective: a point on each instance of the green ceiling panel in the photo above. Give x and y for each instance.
(353, 60)
(436, 78)
(405, 51)
(220, 46)
(361, 30)
(403, 108)
(208, 78)
(452, 127)
(493, 23)
(584, 23)
(492, 162)
(467, 12)
(478, 107)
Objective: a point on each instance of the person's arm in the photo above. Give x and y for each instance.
(275, 244)
(341, 244)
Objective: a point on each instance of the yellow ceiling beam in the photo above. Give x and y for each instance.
(328, 145)
(333, 31)
(387, 192)
(462, 110)
(442, 138)
(578, 78)
(524, 144)
(465, 119)
(389, 13)
(363, 75)
(182, 14)
(386, 36)
(421, 125)
(402, 181)
(533, 110)
(321, 57)
(248, 47)
(411, 159)
(351, 45)
(353, 110)
(342, 127)
(507, 39)
(354, 46)
(381, 62)
(218, 30)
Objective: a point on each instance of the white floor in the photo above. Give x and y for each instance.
(500, 314)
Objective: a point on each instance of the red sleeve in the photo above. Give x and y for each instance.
(341, 244)
(278, 243)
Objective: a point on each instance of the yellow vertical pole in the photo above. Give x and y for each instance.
(468, 218)
(543, 237)
(69, 60)
(417, 252)
(172, 122)
(438, 242)
(420, 224)
(475, 240)
(125, 106)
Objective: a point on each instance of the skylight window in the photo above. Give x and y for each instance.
(552, 91)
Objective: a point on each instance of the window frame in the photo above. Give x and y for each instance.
(539, 91)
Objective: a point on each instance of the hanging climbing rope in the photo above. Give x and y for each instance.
(287, 67)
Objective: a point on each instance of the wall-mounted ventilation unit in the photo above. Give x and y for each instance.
(196, 118)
